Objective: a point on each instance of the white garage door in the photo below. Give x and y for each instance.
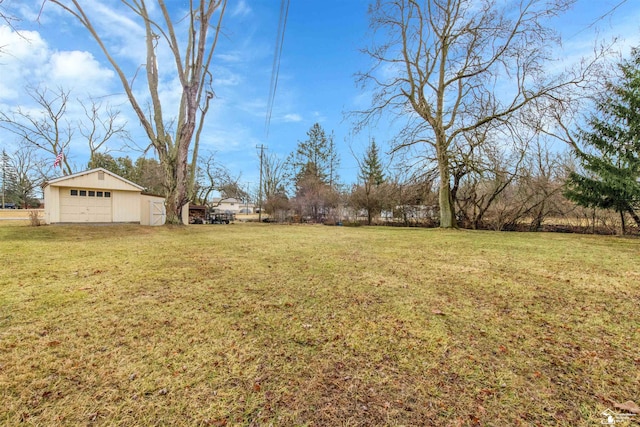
(84, 205)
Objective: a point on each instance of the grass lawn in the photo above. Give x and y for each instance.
(256, 325)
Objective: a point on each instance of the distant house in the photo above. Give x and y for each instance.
(232, 205)
(100, 196)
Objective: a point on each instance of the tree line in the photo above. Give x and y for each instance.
(533, 188)
(467, 81)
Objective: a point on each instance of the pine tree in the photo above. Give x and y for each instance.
(8, 177)
(314, 157)
(371, 170)
(612, 163)
(313, 168)
(370, 195)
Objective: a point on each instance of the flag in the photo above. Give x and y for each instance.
(58, 160)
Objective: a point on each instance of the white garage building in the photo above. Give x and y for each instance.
(100, 196)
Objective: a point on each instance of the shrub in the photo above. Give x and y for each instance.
(34, 218)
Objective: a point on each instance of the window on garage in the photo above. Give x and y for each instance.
(85, 205)
(89, 193)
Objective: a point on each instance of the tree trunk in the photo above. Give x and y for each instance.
(635, 216)
(174, 209)
(476, 222)
(536, 224)
(171, 195)
(193, 72)
(445, 199)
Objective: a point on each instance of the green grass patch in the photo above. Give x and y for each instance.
(250, 324)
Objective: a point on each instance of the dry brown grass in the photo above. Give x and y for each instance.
(250, 324)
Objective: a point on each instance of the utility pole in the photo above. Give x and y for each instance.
(4, 174)
(262, 148)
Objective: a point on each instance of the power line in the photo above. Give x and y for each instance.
(600, 18)
(277, 55)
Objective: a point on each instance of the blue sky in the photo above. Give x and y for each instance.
(316, 83)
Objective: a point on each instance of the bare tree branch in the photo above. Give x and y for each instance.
(456, 66)
(48, 130)
(191, 67)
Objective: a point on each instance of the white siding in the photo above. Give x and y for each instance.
(51, 205)
(85, 205)
(185, 214)
(152, 210)
(95, 179)
(126, 206)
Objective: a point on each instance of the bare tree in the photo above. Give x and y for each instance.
(274, 170)
(542, 180)
(214, 177)
(191, 65)
(314, 197)
(7, 17)
(102, 124)
(48, 130)
(452, 66)
(491, 163)
(29, 173)
(484, 186)
(412, 199)
(274, 187)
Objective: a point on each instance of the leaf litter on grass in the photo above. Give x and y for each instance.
(259, 325)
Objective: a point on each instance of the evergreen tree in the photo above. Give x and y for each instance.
(21, 175)
(314, 157)
(313, 168)
(370, 195)
(8, 180)
(612, 163)
(333, 162)
(371, 170)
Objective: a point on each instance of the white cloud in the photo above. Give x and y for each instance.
(115, 22)
(24, 10)
(21, 45)
(292, 117)
(230, 138)
(319, 117)
(21, 60)
(225, 77)
(581, 37)
(76, 69)
(233, 57)
(242, 9)
(26, 59)
(249, 106)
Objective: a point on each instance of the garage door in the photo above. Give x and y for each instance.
(84, 205)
